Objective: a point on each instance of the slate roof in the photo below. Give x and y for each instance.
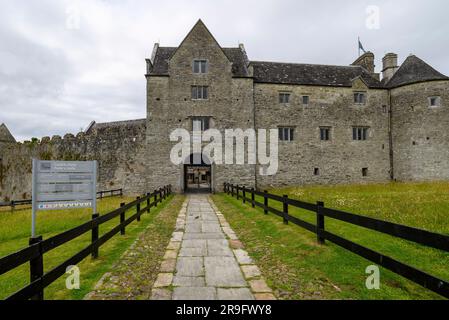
(5, 134)
(311, 74)
(115, 124)
(414, 70)
(235, 55)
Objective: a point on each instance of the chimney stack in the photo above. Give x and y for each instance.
(390, 66)
(366, 61)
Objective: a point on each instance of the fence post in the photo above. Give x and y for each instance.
(122, 220)
(237, 188)
(138, 209)
(244, 194)
(253, 198)
(155, 198)
(285, 211)
(95, 236)
(165, 193)
(232, 190)
(148, 202)
(265, 201)
(37, 267)
(320, 222)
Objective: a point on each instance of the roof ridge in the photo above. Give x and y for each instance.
(120, 121)
(306, 64)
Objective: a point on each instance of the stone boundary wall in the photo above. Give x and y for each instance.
(119, 150)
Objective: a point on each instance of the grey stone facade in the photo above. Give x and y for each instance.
(407, 138)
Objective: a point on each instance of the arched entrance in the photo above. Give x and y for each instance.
(197, 176)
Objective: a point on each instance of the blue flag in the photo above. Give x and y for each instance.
(361, 47)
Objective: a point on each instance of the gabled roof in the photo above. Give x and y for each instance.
(5, 134)
(235, 55)
(311, 74)
(414, 70)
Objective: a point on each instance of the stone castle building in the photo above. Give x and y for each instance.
(337, 124)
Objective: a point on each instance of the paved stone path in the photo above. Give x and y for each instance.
(206, 261)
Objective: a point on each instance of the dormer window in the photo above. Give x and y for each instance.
(435, 102)
(199, 66)
(360, 98)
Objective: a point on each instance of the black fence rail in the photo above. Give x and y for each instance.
(100, 195)
(34, 253)
(422, 237)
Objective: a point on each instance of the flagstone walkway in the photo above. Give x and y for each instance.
(206, 261)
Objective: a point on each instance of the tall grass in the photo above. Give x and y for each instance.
(15, 232)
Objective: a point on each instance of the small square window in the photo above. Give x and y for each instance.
(286, 134)
(199, 66)
(384, 109)
(434, 102)
(325, 134)
(284, 98)
(305, 100)
(365, 172)
(359, 97)
(316, 171)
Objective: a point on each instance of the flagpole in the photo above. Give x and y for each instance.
(358, 44)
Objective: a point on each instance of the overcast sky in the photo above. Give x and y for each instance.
(64, 63)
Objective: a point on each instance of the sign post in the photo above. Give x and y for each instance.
(58, 185)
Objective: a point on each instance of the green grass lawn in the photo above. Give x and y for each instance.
(15, 232)
(298, 268)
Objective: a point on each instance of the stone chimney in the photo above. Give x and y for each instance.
(366, 61)
(390, 66)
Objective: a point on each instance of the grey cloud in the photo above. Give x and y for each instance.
(55, 80)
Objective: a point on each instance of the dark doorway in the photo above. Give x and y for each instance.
(197, 178)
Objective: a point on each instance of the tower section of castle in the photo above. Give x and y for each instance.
(420, 120)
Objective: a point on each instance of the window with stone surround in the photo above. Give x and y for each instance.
(200, 92)
(325, 133)
(305, 100)
(360, 98)
(284, 97)
(360, 133)
(434, 102)
(199, 66)
(200, 123)
(286, 134)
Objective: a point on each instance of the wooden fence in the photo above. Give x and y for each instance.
(426, 238)
(34, 253)
(100, 195)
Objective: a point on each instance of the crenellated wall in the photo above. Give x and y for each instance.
(119, 150)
